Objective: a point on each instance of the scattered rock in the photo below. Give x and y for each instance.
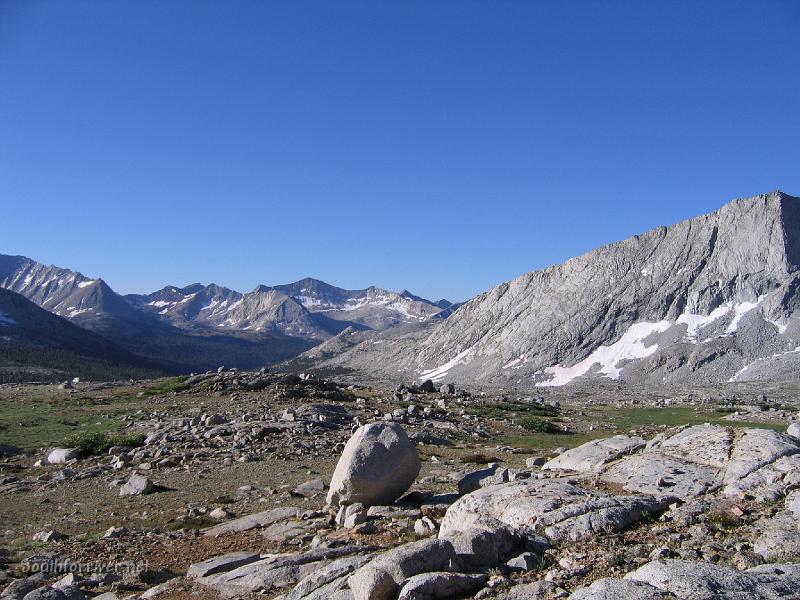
(60, 456)
(113, 533)
(477, 479)
(535, 461)
(310, 489)
(7, 451)
(254, 521)
(220, 564)
(220, 514)
(49, 536)
(424, 527)
(137, 485)
(352, 515)
(527, 561)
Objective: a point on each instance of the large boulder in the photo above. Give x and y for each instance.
(779, 537)
(620, 589)
(275, 571)
(755, 449)
(686, 580)
(593, 455)
(51, 593)
(221, 564)
(539, 590)
(432, 586)
(491, 475)
(655, 473)
(559, 510)
(254, 521)
(693, 461)
(381, 578)
(706, 581)
(18, 588)
(329, 582)
(378, 464)
(486, 544)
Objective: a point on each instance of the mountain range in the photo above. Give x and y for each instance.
(199, 327)
(710, 299)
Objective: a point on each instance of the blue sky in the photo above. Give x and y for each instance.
(442, 147)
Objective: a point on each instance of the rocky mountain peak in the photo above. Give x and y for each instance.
(707, 299)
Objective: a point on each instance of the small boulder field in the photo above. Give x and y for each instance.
(689, 512)
(500, 540)
(513, 538)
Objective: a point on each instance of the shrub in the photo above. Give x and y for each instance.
(95, 444)
(723, 520)
(538, 424)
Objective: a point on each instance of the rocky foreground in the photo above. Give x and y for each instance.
(705, 511)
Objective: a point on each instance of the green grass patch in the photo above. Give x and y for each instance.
(41, 416)
(478, 458)
(502, 411)
(174, 384)
(625, 419)
(547, 441)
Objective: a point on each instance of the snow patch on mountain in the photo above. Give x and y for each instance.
(740, 310)
(629, 347)
(441, 372)
(517, 362)
(694, 323)
(781, 327)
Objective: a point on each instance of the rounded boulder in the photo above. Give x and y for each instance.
(378, 464)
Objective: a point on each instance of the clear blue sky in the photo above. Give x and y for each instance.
(442, 147)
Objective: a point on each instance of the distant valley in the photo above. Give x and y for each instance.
(200, 327)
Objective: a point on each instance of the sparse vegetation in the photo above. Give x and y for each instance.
(477, 458)
(723, 520)
(174, 384)
(198, 522)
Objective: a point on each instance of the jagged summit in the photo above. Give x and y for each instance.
(707, 299)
